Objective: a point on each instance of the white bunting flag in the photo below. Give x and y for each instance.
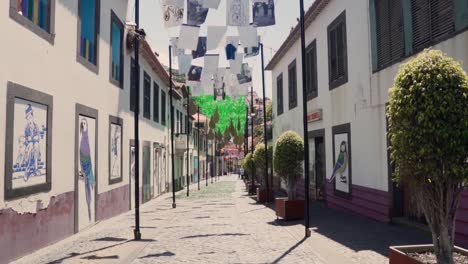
(211, 63)
(188, 38)
(248, 36)
(196, 89)
(206, 81)
(214, 34)
(173, 12)
(236, 65)
(176, 51)
(238, 13)
(185, 61)
(213, 4)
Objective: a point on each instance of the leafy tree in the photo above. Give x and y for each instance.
(248, 163)
(428, 128)
(269, 112)
(259, 158)
(287, 160)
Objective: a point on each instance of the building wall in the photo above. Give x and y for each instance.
(360, 102)
(31, 61)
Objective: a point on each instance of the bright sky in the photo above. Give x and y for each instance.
(287, 13)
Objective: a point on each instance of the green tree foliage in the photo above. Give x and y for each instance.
(269, 112)
(259, 158)
(248, 163)
(287, 159)
(428, 129)
(227, 109)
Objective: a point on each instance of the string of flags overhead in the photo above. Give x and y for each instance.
(190, 16)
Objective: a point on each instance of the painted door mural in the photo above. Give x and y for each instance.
(132, 174)
(156, 170)
(87, 172)
(146, 173)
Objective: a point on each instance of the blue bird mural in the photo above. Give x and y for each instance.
(341, 164)
(86, 164)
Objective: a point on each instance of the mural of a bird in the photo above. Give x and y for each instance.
(86, 163)
(341, 163)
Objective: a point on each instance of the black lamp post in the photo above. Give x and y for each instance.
(172, 126)
(252, 115)
(136, 43)
(304, 119)
(198, 146)
(265, 138)
(187, 130)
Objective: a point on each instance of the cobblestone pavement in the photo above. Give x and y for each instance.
(218, 224)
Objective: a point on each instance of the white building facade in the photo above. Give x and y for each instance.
(354, 49)
(67, 122)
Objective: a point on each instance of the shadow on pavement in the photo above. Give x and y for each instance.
(95, 257)
(75, 254)
(164, 254)
(288, 251)
(212, 235)
(110, 239)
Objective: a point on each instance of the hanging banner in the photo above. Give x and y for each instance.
(185, 61)
(201, 48)
(248, 36)
(263, 13)
(219, 79)
(173, 12)
(245, 76)
(188, 37)
(214, 34)
(213, 4)
(232, 43)
(238, 13)
(195, 88)
(236, 65)
(206, 80)
(211, 63)
(251, 52)
(194, 73)
(196, 13)
(176, 51)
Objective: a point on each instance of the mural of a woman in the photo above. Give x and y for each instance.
(86, 165)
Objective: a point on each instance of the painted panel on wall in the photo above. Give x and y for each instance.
(115, 155)
(87, 171)
(132, 175)
(156, 170)
(29, 144)
(341, 171)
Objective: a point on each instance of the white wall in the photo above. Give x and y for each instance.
(35, 63)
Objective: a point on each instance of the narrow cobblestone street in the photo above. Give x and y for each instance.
(219, 224)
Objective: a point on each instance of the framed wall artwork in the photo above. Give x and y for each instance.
(86, 166)
(342, 171)
(28, 143)
(115, 149)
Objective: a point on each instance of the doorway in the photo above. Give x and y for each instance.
(317, 164)
(146, 172)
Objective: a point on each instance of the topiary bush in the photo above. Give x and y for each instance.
(248, 163)
(259, 158)
(428, 128)
(287, 160)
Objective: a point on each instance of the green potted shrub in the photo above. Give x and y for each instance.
(287, 160)
(248, 164)
(428, 129)
(260, 164)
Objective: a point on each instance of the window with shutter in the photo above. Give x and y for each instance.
(155, 102)
(292, 85)
(337, 52)
(432, 22)
(147, 96)
(279, 90)
(311, 70)
(133, 89)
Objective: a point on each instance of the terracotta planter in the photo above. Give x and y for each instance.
(398, 254)
(262, 195)
(289, 209)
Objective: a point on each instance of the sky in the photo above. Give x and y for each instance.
(287, 14)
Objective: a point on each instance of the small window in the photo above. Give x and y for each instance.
(116, 65)
(279, 96)
(155, 102)
(163, 108)
(292, 85)
(133, 89)
(337, 52)
(147, 96)
(311, 69)
(89, 32)
(36, 15)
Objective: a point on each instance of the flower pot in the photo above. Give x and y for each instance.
(289, 209)
(262, 195)
(399, 254)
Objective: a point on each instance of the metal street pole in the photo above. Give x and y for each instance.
(205, 144)
(265, 138)
(198, 146)
(214, 159)
(136, 70)
(187, 130)
(304, 119)
(172, 127)
(252, 187)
